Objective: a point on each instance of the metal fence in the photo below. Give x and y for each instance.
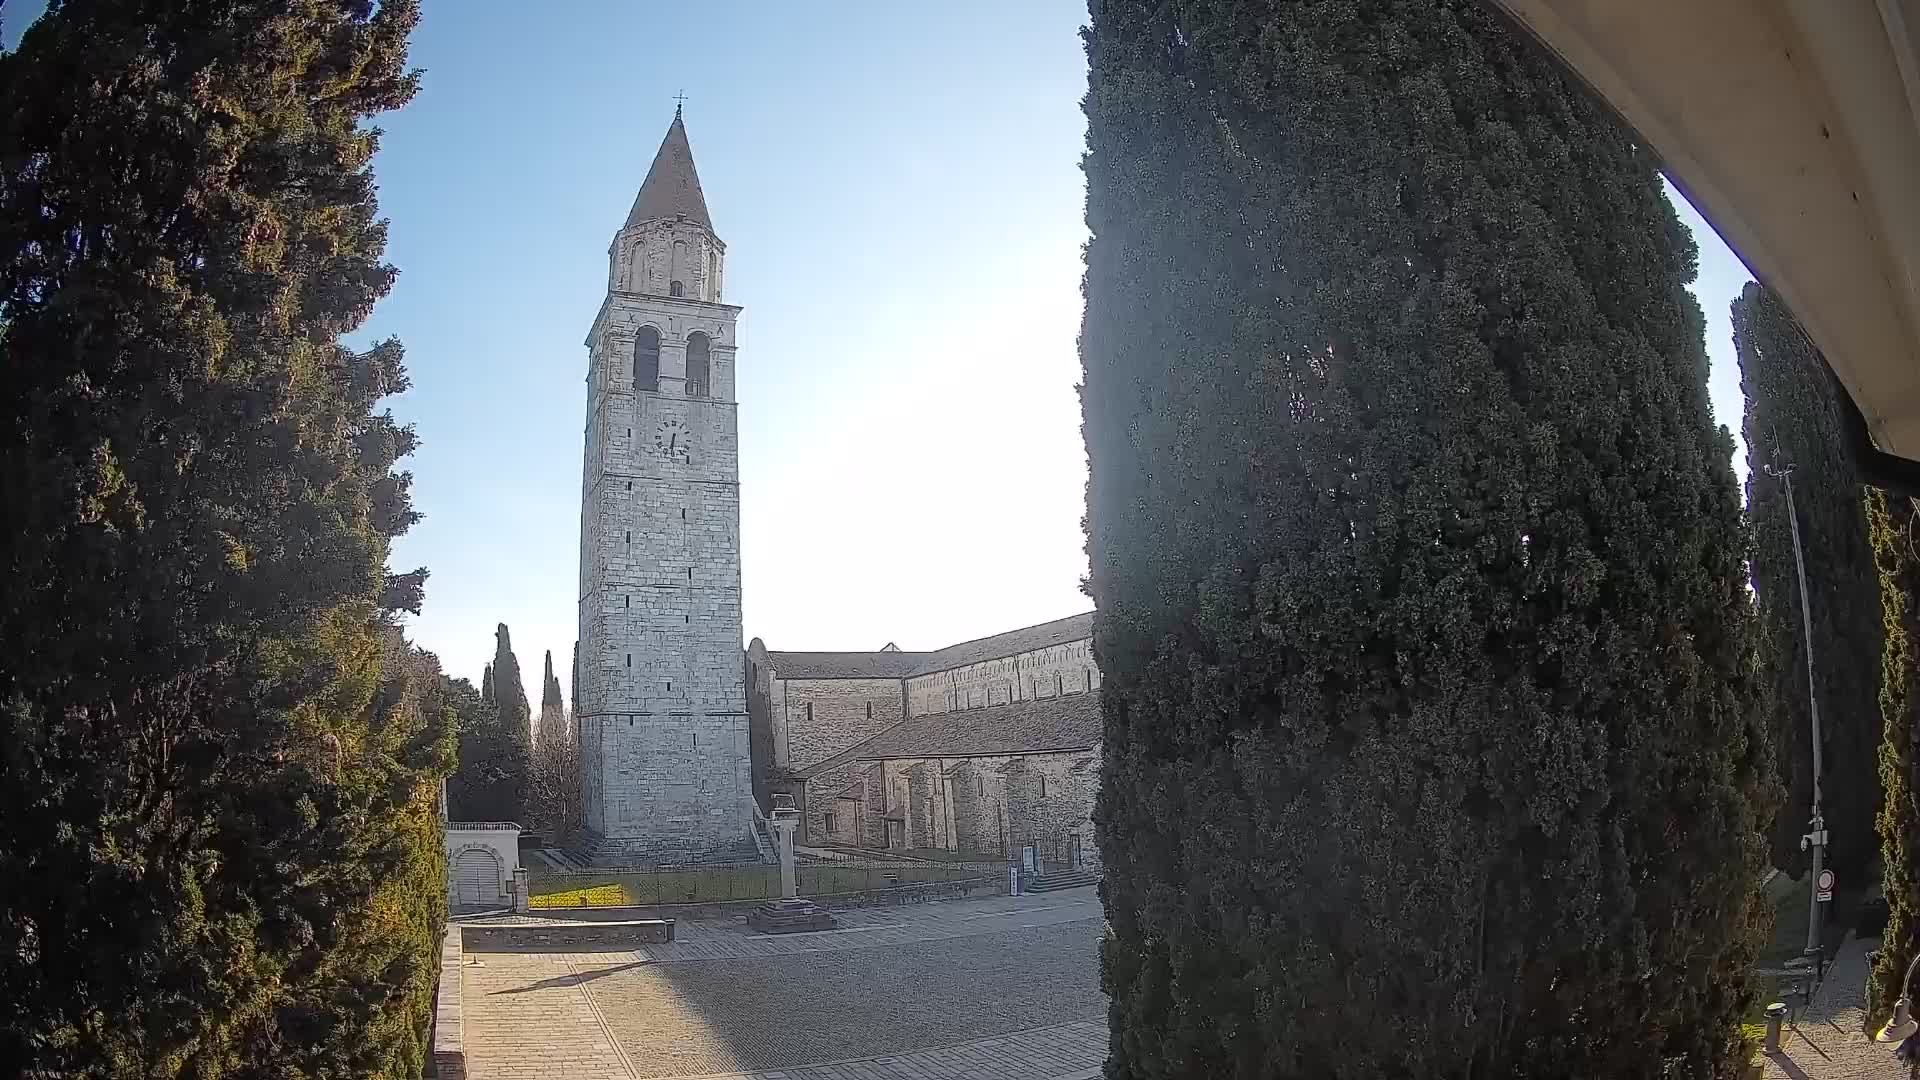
(850, 881)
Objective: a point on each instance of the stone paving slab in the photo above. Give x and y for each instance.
(1061, 1052)
(717, 940)
(528, 1019)
(995, 990)
(1829, 1041)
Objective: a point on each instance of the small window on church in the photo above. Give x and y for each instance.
(699, 370)
(1043, 786)
(628, 601)
(809, 712)
(676, 289)
(869, 710)
(629, 659)
(829, 822)
(982, 781)
(1059, 685)
(646, 362)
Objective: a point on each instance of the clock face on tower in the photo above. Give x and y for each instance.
(672, 440)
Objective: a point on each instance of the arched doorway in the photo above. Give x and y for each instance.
(476, 879)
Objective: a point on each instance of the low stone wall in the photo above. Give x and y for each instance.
(534, 937)
(449, 1029)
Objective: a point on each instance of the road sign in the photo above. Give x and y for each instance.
(1823, 887)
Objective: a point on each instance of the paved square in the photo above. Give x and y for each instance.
(1005, 988)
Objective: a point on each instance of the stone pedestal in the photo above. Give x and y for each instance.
(789, 916)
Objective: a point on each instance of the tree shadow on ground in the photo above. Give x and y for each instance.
(574, 978)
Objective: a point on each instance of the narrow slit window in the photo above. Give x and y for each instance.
(699, 367)
(646, 362)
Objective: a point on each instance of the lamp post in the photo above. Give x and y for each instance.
(1901, 1026)
(1815, 839)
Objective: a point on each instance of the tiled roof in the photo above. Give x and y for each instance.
(672, 185)
(1069, 722)
(1025, 639)
(843, 665)
(894, 664)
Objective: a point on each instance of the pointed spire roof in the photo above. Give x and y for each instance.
(672, 186)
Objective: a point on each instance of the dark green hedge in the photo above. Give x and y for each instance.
(1434, 739)
(219, 762)
(1793, 418)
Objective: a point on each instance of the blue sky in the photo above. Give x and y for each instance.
(899, 189)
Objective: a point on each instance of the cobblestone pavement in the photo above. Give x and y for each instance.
(1829, 1040)
(1003, 989)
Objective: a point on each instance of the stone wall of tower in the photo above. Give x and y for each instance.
(644, 259)
(662, 697)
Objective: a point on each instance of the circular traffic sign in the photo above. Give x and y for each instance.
(1826, 881)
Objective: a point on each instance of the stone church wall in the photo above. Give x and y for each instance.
(814, 719)
(985, 806)
(1041, 673)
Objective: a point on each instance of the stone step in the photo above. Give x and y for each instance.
(1061, 879)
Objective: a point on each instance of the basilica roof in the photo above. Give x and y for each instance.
(894, 664)
(1046, 725)
(672, 186)
(844, 665)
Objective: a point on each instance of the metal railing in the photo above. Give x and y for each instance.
(851, 882)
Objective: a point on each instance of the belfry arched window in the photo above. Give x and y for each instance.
(646, 360)
(699, 367)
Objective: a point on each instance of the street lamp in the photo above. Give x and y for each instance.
(1901, 1026)
(1815, 839)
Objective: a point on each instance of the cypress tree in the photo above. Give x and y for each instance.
(509, 693)
(218, 761)
(1895, 532)
(496, 751)
(1793, 419)
(1433, 739)
(553, 714)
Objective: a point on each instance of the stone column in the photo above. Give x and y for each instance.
(784, 822)
(520, 890)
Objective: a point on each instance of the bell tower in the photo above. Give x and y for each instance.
(662, 709)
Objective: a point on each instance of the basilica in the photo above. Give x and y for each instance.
(989, 747)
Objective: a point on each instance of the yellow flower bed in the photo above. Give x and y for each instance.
(610, 895)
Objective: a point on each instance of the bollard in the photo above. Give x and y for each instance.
(1776, 1013)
